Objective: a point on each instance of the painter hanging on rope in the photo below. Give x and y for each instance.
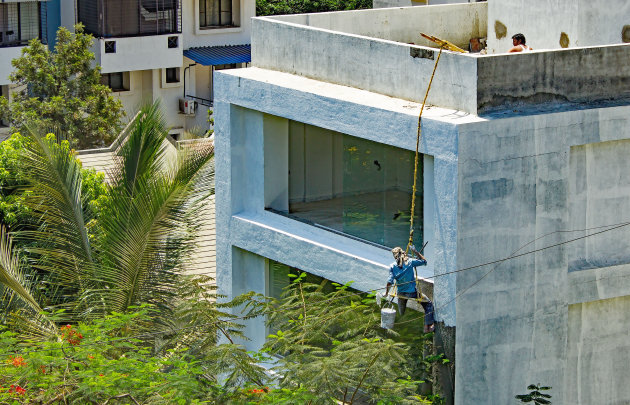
(402, 271)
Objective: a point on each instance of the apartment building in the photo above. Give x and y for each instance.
(166, 50)
(524, 196)
(20, 21)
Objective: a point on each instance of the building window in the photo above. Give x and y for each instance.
(19, 23)
(353, 186)
(110, 46)
(173, 42)
(217, 14)
(172, 75)
(117, 81)
(119, 18)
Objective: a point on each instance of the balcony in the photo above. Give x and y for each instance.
(381, 51)
(133, 34)
(130, 18)
(19, 23)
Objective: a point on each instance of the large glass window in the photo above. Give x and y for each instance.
(19, 23)
(216, 13)
(352, 185)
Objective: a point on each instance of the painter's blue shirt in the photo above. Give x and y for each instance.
(404, 275)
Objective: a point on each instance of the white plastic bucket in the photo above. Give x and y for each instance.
(388, 316)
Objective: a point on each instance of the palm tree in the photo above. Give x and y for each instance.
(145, 230)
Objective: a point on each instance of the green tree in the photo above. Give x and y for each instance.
(62, 90)
(275, 7)
(332, 349)
(147, 223)
(14, 213)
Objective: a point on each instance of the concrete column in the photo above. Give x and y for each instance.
(276, 145)
(249, 273)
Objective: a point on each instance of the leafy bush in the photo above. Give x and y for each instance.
(98, 361)
(330, 347)
(275, 7)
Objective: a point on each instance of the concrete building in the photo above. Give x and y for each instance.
(524, 157)
(166, 50)
(20, 21)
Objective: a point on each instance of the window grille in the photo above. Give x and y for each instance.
(215, 13)
(21, 22)
(110, 46)
(126, 18)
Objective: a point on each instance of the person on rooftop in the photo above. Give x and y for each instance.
(402, 271)
(519, 42)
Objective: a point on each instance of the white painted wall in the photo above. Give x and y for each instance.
(585, 22)
(138, 53)
(194, 36)
(6, 56)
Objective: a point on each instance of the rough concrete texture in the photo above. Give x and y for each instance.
(333, 47)
(508, 81)
(513, 318)
(398, 3)
(598, 352)
(244, 228)
(397, 69)
(585, 22)
(456, 23)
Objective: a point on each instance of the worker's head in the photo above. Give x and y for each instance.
(400, 256)
(518, 39)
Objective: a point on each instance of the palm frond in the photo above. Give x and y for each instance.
(55, 198)
(149, 228)
(12, 278)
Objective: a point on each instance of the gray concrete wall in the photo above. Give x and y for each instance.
(514, 319)
(245, 98)
(392, 68)
(565, 76)
(584, 22)
(457, 23)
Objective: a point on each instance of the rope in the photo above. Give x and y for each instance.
(419, 135)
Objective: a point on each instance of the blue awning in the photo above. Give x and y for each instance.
(220, 55)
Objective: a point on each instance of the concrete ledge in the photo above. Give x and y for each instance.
(598, 284)
(379, 65)
(579, 75)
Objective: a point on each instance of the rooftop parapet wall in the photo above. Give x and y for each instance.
(579, 75)
(383, 66)
(319, 46)
(457, 22)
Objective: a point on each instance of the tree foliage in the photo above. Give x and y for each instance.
(62, 90)
(535, 396)
(275, 7)
(331, 347)
(14, 212)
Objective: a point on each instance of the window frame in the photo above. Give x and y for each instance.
(106, 79)
(234, 18)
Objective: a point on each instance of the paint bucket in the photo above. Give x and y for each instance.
(388, 316)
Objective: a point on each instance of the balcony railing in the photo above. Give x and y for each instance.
(21, 22)
(128, 18)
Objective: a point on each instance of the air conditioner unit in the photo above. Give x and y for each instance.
(187, 106)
